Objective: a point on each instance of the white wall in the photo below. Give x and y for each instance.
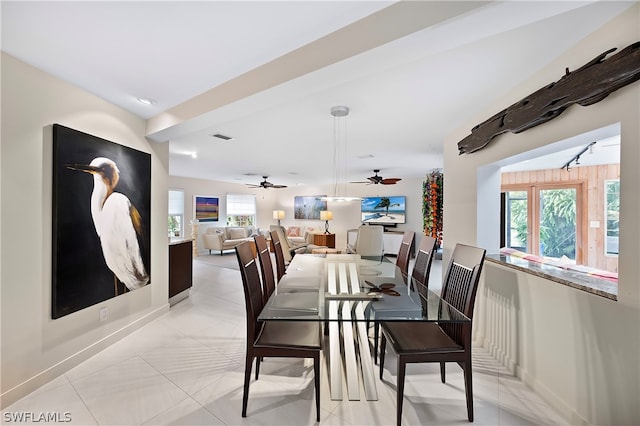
(36, 348)
(265, 201)
(580, 351)
(346, 215)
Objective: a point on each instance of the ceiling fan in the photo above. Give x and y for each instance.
(375, 179)
(265, 184)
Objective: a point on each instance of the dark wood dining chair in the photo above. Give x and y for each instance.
(266, 267)
(404, 253)
(402, 262)
(292, 339)
(422, 266)
(415, 342)
(279, 254)
(419, 278)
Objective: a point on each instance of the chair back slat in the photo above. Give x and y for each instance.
(253, 297)
(266, 267)
(460, 287)
(278, 251)
(404, 253)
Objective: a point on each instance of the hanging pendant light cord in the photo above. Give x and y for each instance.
(340, 154)
(336, 175)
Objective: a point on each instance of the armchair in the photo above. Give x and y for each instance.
(369, 242)
(288, 249)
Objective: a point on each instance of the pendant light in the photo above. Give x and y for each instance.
(339, 114)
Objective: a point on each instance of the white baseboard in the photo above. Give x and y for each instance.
(45, 376)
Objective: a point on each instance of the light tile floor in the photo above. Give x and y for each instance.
(186, 368)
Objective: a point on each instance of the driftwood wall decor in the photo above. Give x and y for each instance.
(587, 85)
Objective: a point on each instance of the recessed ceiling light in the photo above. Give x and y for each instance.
(146, 101)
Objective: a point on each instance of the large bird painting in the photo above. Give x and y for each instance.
(101, 220)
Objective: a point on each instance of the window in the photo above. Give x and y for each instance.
(241, 210)
(557, 233)
(176, 213)
(516, 211)
(612, 203)
(569, 193)
(544, 220)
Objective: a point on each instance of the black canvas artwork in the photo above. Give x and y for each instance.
(101, 220)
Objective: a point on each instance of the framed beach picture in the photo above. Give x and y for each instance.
(308, 207)
(205, 208)
(101, 220)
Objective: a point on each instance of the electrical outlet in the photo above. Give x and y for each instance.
(103, 314)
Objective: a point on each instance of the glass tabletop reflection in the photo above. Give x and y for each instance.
(347, 284)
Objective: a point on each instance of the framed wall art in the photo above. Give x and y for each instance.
(101, 227)
(308, 207)
(205, 208)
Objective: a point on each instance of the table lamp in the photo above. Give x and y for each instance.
(278, 215)
(326, 215)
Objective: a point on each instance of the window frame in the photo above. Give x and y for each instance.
(241, 217)
(176, 213)
(606, 218)
(533, 213)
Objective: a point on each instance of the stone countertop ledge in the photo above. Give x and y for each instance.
(178, 240)
(575, 279)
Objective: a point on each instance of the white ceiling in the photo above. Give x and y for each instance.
(405, 95)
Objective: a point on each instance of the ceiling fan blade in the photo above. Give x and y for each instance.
(390, 181)
(362, 181)
(254, 186)
(277, 186)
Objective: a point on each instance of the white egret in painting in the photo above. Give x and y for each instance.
(117, 223)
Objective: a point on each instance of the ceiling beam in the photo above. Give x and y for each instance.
(389, 24)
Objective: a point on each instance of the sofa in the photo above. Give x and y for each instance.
(227, 238)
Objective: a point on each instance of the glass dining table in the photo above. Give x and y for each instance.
(345, 292)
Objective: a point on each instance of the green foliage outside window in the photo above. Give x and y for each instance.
(240, 220)
(518, 210)
(613, 216)
(558, 223)
(174, 225)
(613, 208)
(557, 228)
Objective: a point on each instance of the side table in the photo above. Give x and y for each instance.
(327, 240)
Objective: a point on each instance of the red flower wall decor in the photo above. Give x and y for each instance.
(432, 189)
